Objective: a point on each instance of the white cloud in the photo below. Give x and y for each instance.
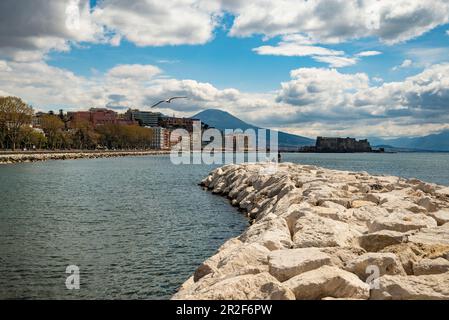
(336, 62)
(333, 21)
(407, 63)
(30, 29)
(300, 46)
(315, 100)
(135, 72)
(292, 49)
(368, 53)
(158, 23)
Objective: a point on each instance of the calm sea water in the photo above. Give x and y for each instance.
(136, 227)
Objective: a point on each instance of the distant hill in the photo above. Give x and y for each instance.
(433, 142)
(224, 120)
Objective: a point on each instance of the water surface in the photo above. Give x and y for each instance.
(137, 227)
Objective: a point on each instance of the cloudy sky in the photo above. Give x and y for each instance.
(328, 67)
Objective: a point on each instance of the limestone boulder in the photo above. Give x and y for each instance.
(328, 281)
(368, 213)
(285, 264)
(260, 286)
(315, 231)
(376, 241)
(437, 235)
(426, 287)
(362, 203)
(411, 253)
(440, 216)
(402, 222)
(431, 266)
(337, 212)
(271, 232)
(210, 265)
(247, 259)
(341, 255)
(387, 263)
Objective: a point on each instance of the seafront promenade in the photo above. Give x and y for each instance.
(35, 156)
(325, 234)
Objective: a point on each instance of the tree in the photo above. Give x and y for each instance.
(14, 114)
(53, 127)
(84, 135)
(30, 138)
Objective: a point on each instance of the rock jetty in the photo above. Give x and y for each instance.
(324, 234)
(36, 157)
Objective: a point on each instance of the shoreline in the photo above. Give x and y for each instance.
(40, 156)
(320, 234)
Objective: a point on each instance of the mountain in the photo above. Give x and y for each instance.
(433, 142)
(222, 120)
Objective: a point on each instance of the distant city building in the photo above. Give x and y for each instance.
(99, 116)
(144, 118)
(36, 120)
(161, 138)
(177, 123)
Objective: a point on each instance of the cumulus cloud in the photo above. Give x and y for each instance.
(158, 23)
(30, 29)
(314, 101)
(326, 97)
(334, 21)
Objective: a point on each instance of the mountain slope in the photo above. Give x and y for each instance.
(223, 120)
(433, 142)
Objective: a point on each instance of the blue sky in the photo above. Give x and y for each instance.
(308, 67)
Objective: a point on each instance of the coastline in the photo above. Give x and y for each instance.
(320, 234)
(39, 156)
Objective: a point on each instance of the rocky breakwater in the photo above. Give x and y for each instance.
(324, 234)
(36, 157)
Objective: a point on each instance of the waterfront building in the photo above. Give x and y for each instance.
(100, 116)
(144, 118)
(161, 138)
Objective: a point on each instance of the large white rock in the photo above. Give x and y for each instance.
(431, 266)
(327, 282)
(285, 264)
(441, 216)
(402, 222)
(315, 231)
(376, 241)
(387, 263)
(427, 287)
(260, 286)
(271, 232)
(438, 235)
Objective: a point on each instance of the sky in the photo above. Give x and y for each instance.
(320, 67)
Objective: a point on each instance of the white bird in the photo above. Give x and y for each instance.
(167, 101)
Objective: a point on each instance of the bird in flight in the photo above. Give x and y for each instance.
(167, 101)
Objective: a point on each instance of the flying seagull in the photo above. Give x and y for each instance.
(167, 101)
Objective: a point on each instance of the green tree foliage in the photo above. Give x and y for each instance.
(83, 135)
(30, 138)
(53, 128)
(115, 136)
(14, 114)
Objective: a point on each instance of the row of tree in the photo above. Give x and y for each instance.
(16, 131)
